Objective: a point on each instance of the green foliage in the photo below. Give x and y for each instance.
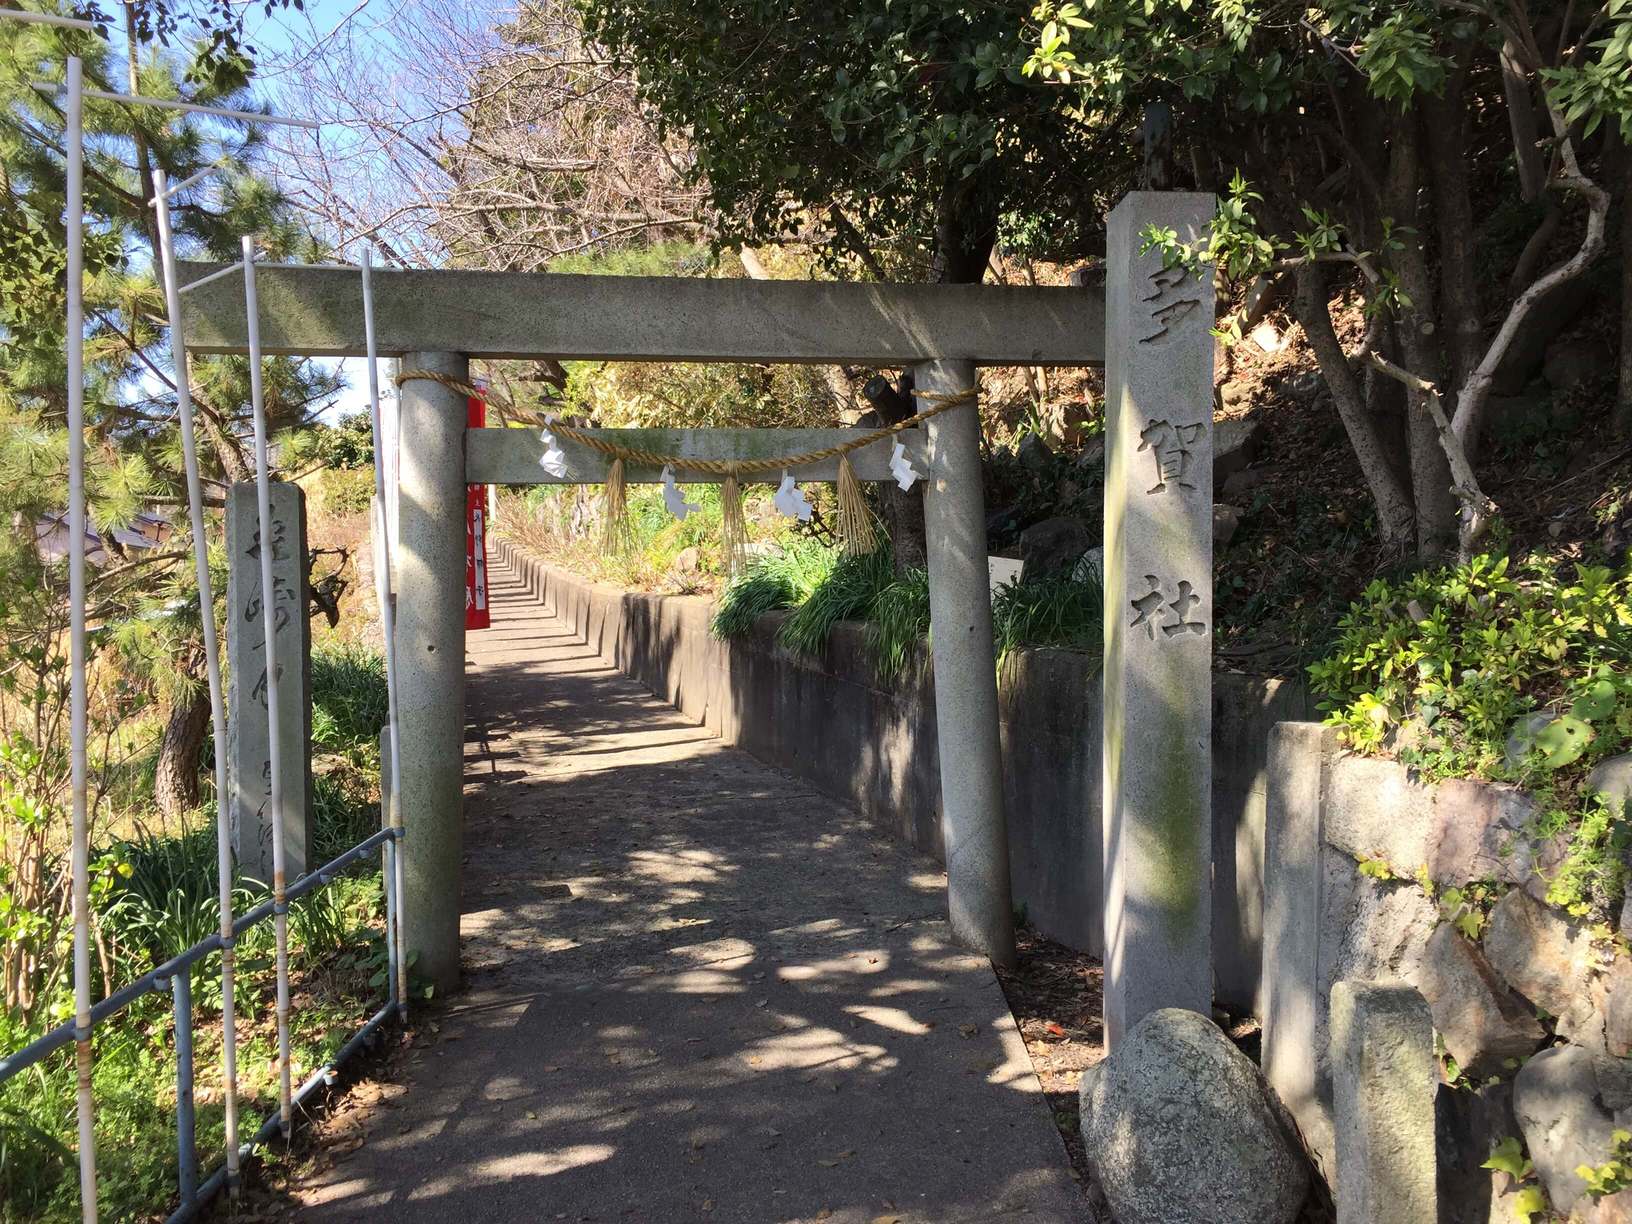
(349, 697)
(898, 626)
(1592, 876)
(1590, 91)
(824, 587)
(847, 593)
(1468, 908)
(1061, 610)
(902, 118)
(655, 259)
(1615, 1174)
(1509, 1157)
(155, 895)
(781, 580)
(1376, 869)
(345, 445)
(1467, 650)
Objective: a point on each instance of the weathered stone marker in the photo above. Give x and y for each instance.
(249, 760)
(1158, 617)
(1384, 1079)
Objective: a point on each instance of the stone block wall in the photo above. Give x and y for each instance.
(832, 723)
(1513, 989)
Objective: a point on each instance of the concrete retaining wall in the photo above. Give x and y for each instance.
(831, 723)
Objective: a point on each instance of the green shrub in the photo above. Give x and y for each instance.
(347, 490)
(1463, 652)
(1513, 673)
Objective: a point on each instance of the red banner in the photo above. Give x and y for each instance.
(476, 611)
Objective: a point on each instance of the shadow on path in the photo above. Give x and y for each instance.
(696, 989)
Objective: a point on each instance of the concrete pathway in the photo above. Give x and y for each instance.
(697, 990)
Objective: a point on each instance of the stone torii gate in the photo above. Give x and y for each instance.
(1150, 325)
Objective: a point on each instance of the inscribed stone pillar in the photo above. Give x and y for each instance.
(249, 758)
(430, 648)
(1158, 617)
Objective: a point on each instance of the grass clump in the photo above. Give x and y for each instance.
(846, 593)
(780, 580)
(898, 626)
(1060, 610)
(824, 587)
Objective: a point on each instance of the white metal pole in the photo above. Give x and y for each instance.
(71, 23)
(76, 633)
(269, 619)
(194, 108)
(212, 667)
(388, 628)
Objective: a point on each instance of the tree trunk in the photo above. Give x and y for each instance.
(1446, 123)
(1623, 401)
(176, 780)
(1395, 517)
(903, 509)
(1419, 331)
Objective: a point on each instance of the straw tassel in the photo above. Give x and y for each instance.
(733, 532)
(615, 534)
(857, 529)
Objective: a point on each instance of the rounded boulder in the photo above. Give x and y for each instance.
(1182, 1129)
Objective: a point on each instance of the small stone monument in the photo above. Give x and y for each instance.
(249, 758)
(1158, 578)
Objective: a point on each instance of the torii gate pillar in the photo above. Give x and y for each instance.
(431, 661)
(960, 613)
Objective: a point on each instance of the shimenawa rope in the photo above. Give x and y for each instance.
(856, 526)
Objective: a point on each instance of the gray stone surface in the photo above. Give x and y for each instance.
(1182, 1129)
(1384, 1079)
(430, 631)
(1373, 810)
(1483, 1024)
(1480, 831)
(1612, 778)
(979, 901)
(1157, 827)
(1618, 1007)
(1565, 1121)
(1293, 1005)
(697, 989)
(1055, 546)
(249, 758)
(510, 456)
(1235, 446)
(1551, 962)
(1461, 830)
(1226, 522)
(316, 312)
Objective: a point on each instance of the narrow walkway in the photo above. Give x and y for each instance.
(696, 990)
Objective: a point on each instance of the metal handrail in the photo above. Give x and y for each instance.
(175, 975)
(159, 979)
